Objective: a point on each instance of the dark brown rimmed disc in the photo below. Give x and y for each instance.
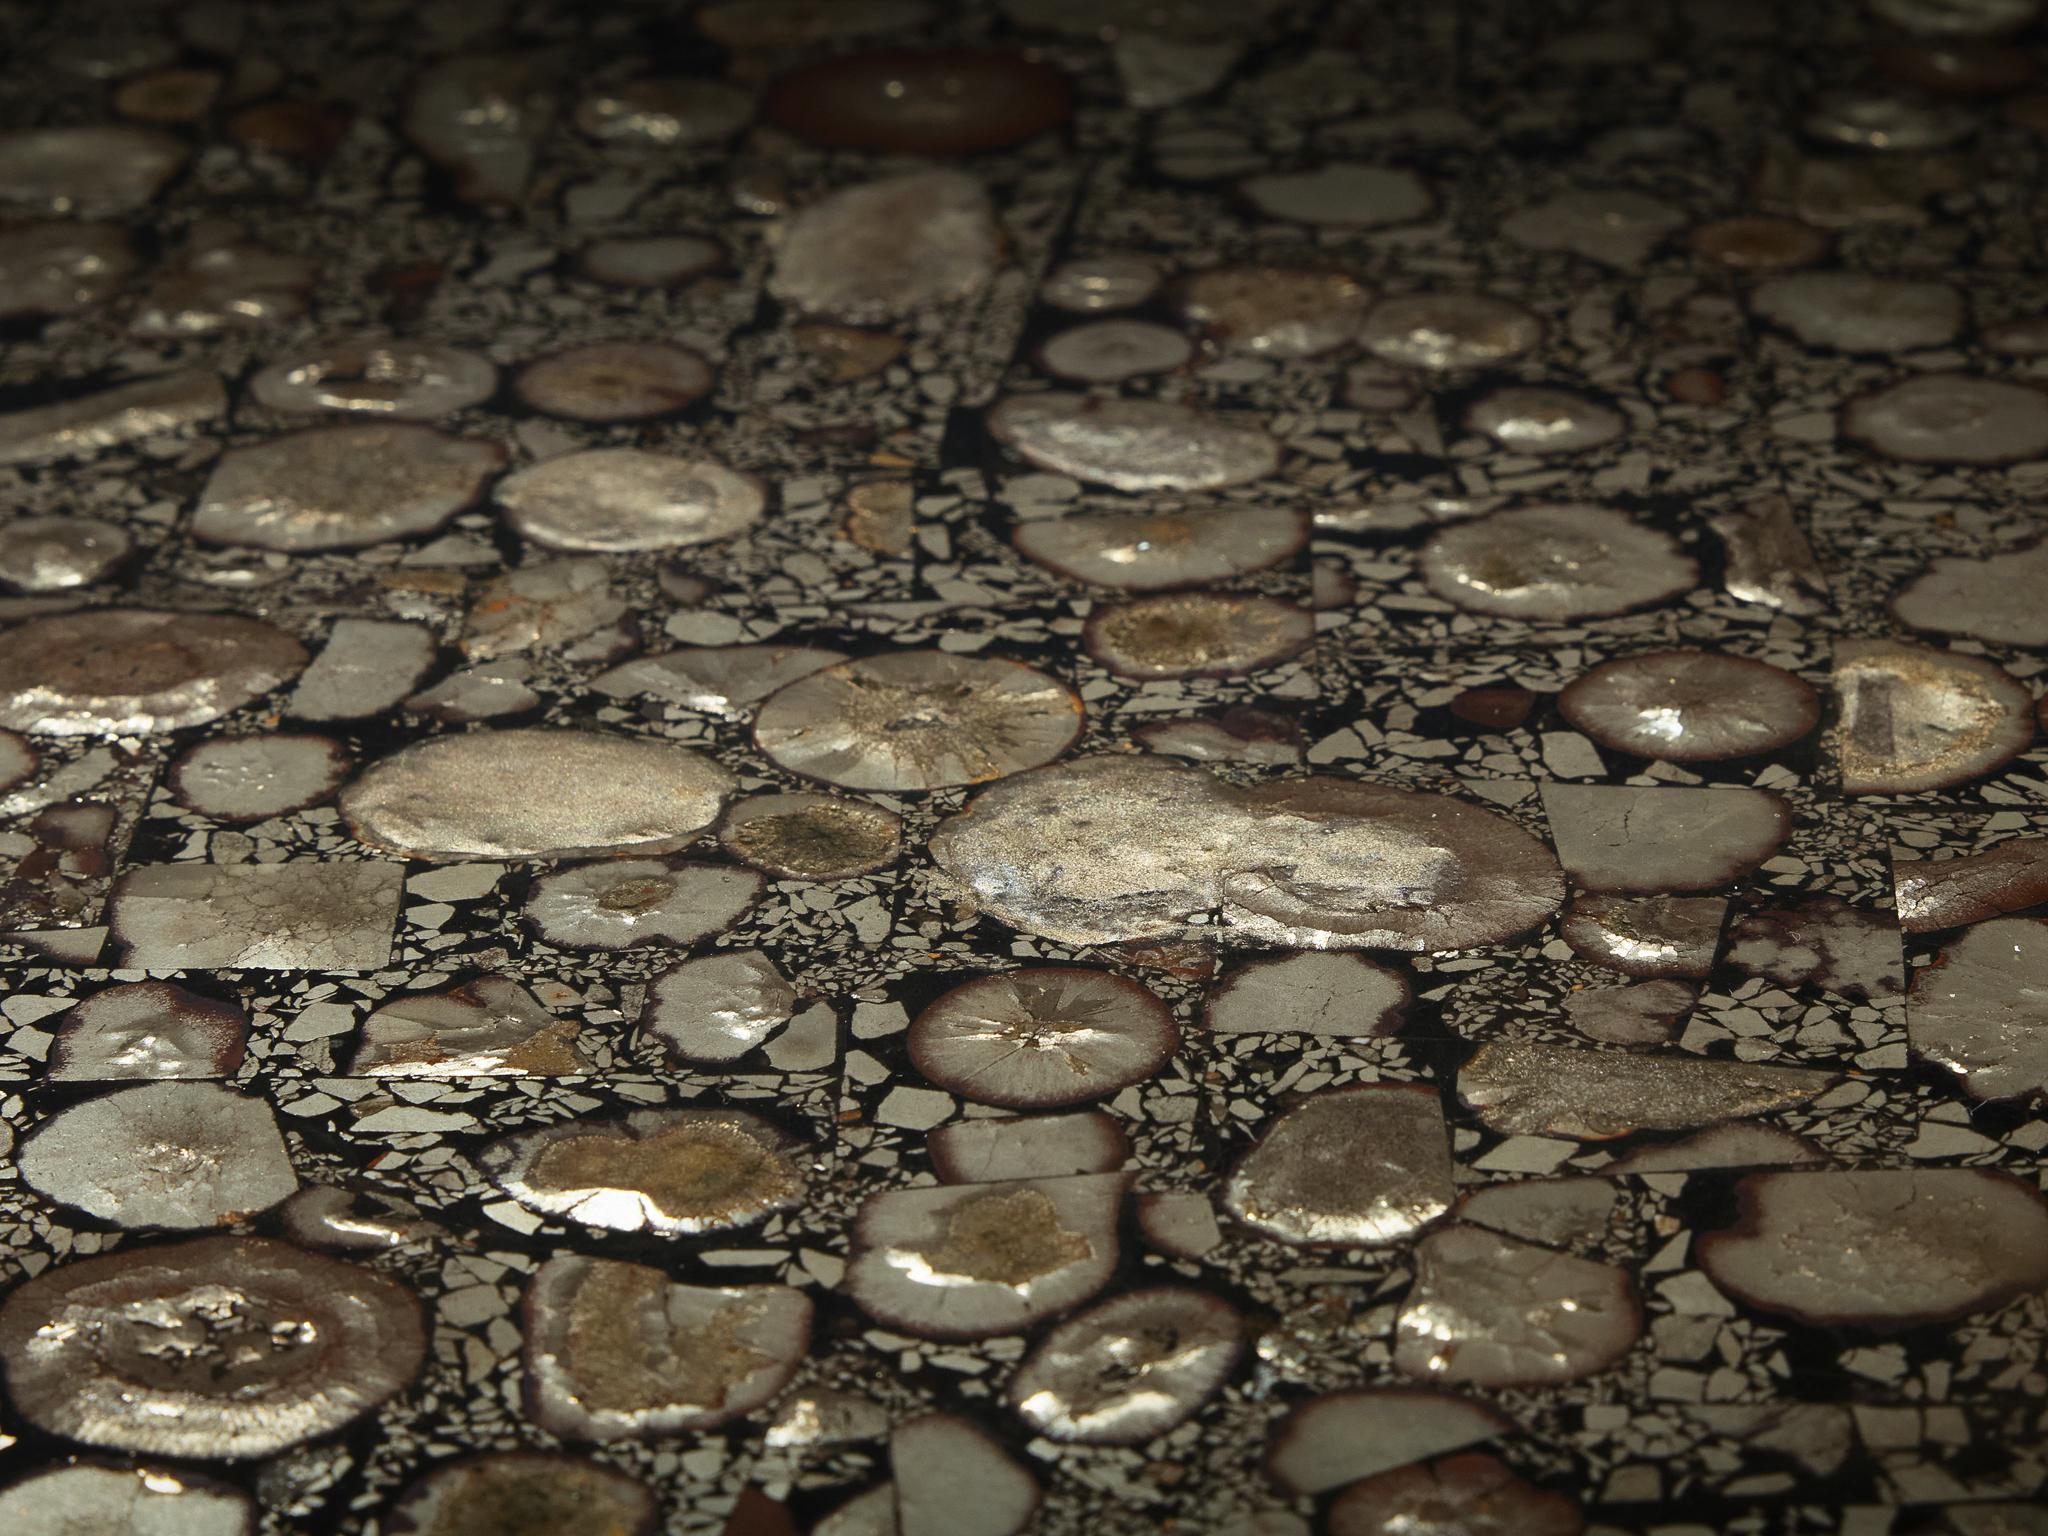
(938, 101)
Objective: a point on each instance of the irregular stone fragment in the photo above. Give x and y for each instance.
(273, 1345)
(918, 720)
(547, 605)
(871, 1512)
(1347, 194)
(1333, 586)
(66, 946)
(1128, 1369)
(1760, 243)
(126, 413)
(886, 249)
(620, 903)
(1559, 1213)
(61, 267)
(1043, 1037)
(324, 1216)
(122, 1501)
(1618, 227)
(1887, 121)
(342, 487)
(1375, 388)
(1825, 943)
(1196, 634)
(2026, 336)
(716, 1008)
(617, 1352)
(1446, 332)
(1113, 848)
(846, 353)
(1525, 1088)
(366, 667)
(1768, 559)
(1179, 1222)
(525, 1493)
(1883, 1248)
(721, 680)
(222, 282)
(488, 691)
(169, 1154)
(377, 376)
(253, 778)
(305, 131)
(812, 837)
(18, 760)
(1239, 734)
(56, 554)
(490, 1026)
(609, 381)
(1994, 1520)
(1855, 312)
(1526, 419)
(303, 915)
(1696, 386)
(930, 101)
(1570, 561)
(1914, 718)
(1194, 19)
(1340, 1437)
(1112, 280)
(881, 515)
(1613, 837)
(480, 117)
(1646, 1013)
(671, 1172)
(953, 1479)
(1347, 1168)
(1274, 311)
(820, 1416)
(90, 172)
(1990, 599)
(1982, 1010)
(1720, 1146)
(1495, 1312)
(665, 113)
(57, 867)
(616, 500)
(1690, 706)
(118, 45)
(1324, 993)
(1934, 894)
(1950, 418)
(971, 1261)
(147, 1029)
(649, 261)
(1474, 1495)
(804, 23)
(1110, 351)
(533, 795)
(1505, 708)
(1133, 445)
(997, 1150)
(1956, 18)
(1166, 71)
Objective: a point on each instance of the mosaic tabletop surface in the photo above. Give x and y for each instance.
(1078, 765)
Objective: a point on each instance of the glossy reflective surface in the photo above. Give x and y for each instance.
(1075, 766)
